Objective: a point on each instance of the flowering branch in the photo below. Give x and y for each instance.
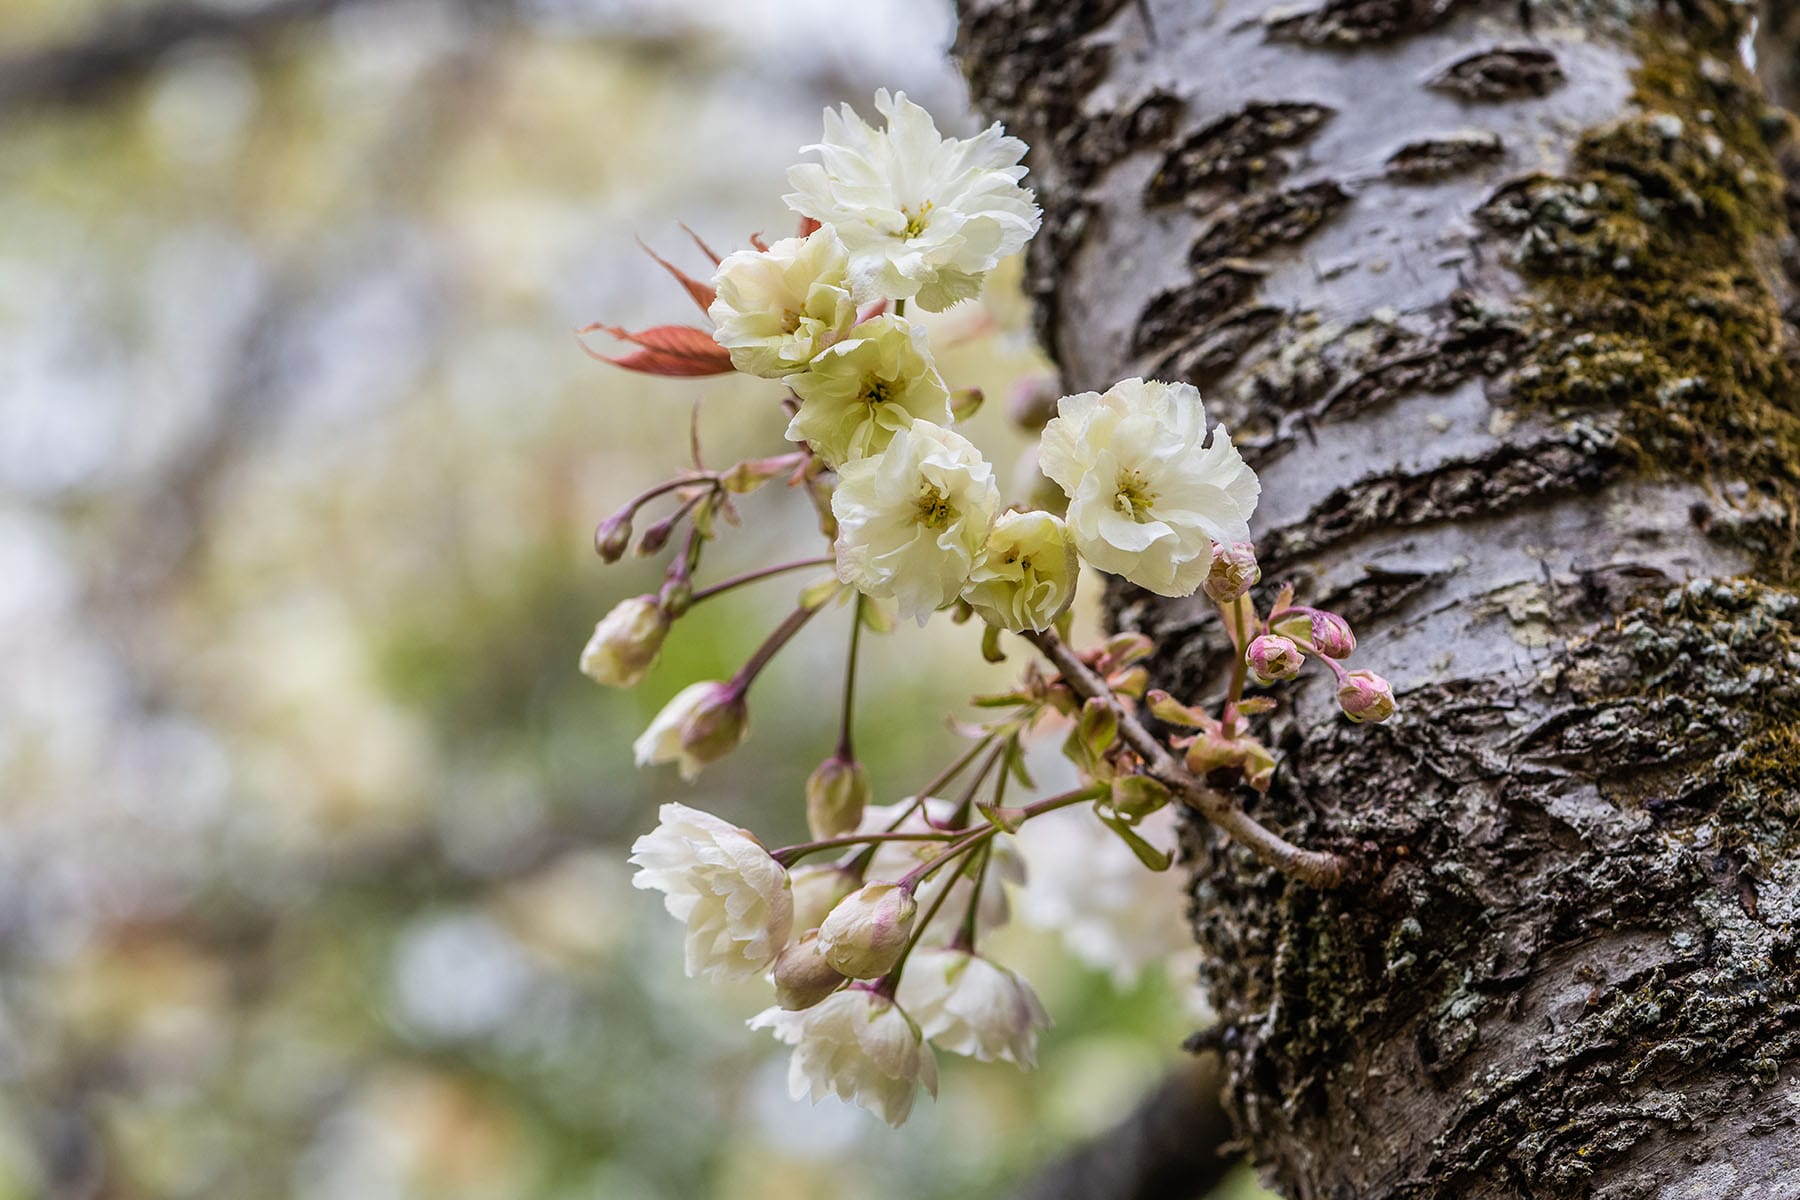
(867, 979)
(1317, 868)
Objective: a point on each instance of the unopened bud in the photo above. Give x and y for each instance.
(817, 891)
(1331, 635)
(703, 723)
(802, 976)
(866, 933)
(836, 793)
(613, 536)
(716, 725)
(1365, 696)
(1033, 402)
(657, 536)
(1234, 571)
(677, 595)
(625, 643)
(965, 403)
(1273, 657)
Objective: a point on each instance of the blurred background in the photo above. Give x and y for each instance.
(313, 839)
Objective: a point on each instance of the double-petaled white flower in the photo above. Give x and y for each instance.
(913, 520)
(776, 309)
(1148, 496)
(856, 395)
(1026, 577)
(858, 1046)
(734, 897)
(972, 1006)
(921, 214)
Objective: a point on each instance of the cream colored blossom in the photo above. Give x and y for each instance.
(703, 723)
(625, 643)
(1026, 577)
(972, 1006)
(858, 1046)
(1148, 495)
(732, 894)
(778, 308)
(856, 395)
(913, 520)
(921, 214)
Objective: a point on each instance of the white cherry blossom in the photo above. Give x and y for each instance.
(921, 214)
(1148, 495)
(858, 1046)
(1026, 576)
(913, 520)
(732, 894)
(856, 395)
(776, 309)
(970, 1005)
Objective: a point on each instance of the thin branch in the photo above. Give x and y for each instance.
(1318, 868)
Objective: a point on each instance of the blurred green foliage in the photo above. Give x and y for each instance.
(312, 874)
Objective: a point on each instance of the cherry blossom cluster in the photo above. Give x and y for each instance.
(871, 935)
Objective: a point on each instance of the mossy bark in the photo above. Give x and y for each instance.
(1500, 300)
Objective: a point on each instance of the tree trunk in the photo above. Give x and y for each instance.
(1500, 300)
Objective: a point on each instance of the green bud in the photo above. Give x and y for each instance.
(836, 794)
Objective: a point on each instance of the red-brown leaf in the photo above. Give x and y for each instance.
(703, 293)
(704, 248)
(681, 350)
(756, 240)
(808, 226)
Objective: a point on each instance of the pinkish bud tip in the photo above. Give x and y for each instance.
(1272, 657)
(1331, 635)
(1365, 696)
(1234, 571)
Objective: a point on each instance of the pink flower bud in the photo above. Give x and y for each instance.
(1273, 657)
(613, 536)
(866, 932)
(1234, 571)
(1331, 635)
(1365, 696)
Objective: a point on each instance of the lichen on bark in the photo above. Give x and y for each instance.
(1660, 251)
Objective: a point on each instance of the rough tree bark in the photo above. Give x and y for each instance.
(1501, 300)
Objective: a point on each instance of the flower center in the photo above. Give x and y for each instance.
(935, 510)
(877, 392)
(915, 222)
(1134, 496)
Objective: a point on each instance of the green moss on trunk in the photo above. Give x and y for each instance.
(1661, 246)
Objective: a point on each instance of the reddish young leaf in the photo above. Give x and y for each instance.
(757, 241)
(667, 350)
(704, 248)
(808, 226)
(702, 293)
